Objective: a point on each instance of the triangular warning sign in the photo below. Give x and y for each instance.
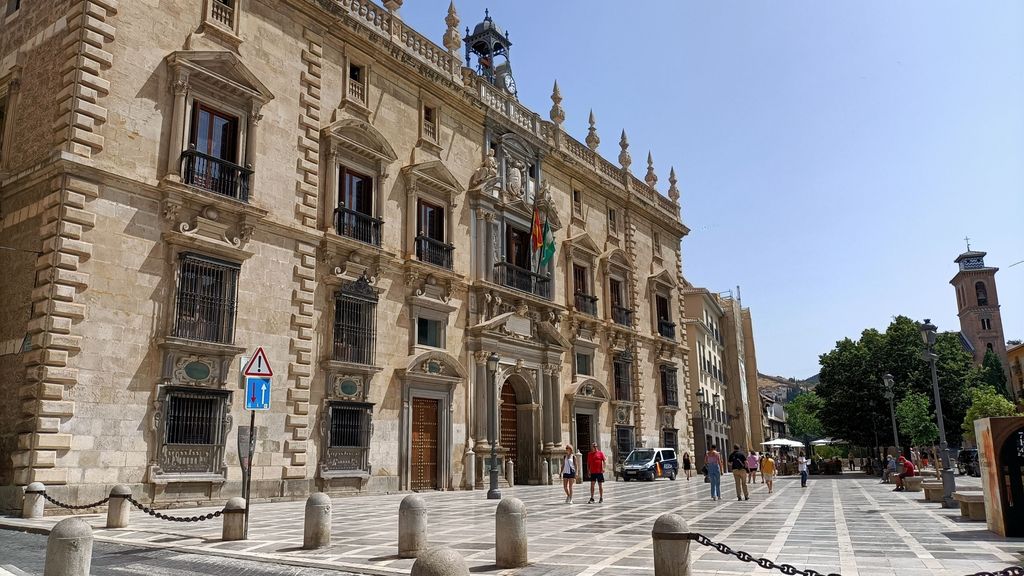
(258, 365)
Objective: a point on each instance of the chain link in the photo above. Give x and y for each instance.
(791, 570)
(155, 514)
(72, 506)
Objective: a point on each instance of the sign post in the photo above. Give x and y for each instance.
(258, 376)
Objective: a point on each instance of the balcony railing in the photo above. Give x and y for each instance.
(357, 225)
(586, 303)
(357, 91)
(434, 252)
(508, 274)
(430, 131)
(216, 175)
(622, 315)
(667, 329)
(223, 12)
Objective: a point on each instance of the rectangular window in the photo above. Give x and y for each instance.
(671, 439)
(355, 323)
(354, 215)
(517, 247)
(613, 221)
(205, 302)
(656, 241)
(211, 162)
(193, 418)
(663, 308)
(13, 6)
(349, 427)
(430, 123)
(430, 332)
(669, 386)
(4, 99)
(356, 83)
(431, 221)
(584, 364)
(579, 279)
(214, 133)
(622, 375)
(577, 202)
(623, 442)
(430, 234)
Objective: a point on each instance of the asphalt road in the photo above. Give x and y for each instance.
(26, 552)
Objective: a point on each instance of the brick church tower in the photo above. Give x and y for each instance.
(977, 301)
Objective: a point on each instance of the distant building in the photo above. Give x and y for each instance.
(977, 303)
(706, 374)
(773, 411)
(742, 403)
(1015, 366)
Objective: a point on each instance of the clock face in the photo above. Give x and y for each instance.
(510, 83)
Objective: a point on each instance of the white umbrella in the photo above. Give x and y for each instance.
(783, 442)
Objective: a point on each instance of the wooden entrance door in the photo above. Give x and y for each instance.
(1011, 476)
(423, 472)
(509, 423)
(583, 439)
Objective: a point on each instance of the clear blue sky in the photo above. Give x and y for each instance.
(832, 155)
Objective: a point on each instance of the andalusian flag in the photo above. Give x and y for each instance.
(547, 249)
(537, 232)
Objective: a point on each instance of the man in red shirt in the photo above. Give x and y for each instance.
(595, 465)
(908, 470)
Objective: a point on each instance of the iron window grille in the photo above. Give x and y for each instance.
(622, 375)
(206, 299)
(623, 442)
(671, 439)
(355, 323)
(193, 431)
(669, 386)
(349, 429)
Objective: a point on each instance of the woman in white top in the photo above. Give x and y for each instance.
(568, 473)
(802, 463)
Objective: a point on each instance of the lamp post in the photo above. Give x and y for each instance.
(888, 381)
(928, 335)
(492, 424)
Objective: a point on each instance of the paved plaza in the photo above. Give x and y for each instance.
(850, 524)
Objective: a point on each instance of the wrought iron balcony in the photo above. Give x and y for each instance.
(586, 303)
(434, 252)
(622, 315)
(667, 329)
(357, 225)
(508, 274)
(216, 175)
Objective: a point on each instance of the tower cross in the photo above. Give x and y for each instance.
(968, 240)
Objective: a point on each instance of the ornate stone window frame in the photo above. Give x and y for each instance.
(349, 391)
(433, 182)
(357, 145)
(430, 130)
(356, 100)
(614, 264)
(10, 88)
(581, 250)
(662, 284)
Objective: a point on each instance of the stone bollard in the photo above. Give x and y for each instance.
(469, 465)
(234, 519)
(510, 534)
(510, 472)
(317, 530)
(69, 549)
(118, 507)
(412, 527)
(32, 506)
(439, 561)
(671, 546)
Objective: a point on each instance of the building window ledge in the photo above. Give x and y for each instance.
(160, 478)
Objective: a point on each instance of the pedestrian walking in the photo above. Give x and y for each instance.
(738, 465)
(568, 473)
(687, 465)
(802, 467)
(713, 464)
(768, 471)
(595, 465)
(850, 458)
(752, 460)
(761, 463)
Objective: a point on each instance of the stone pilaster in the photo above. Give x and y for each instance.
(309, 119)
(629, 239)
(56, 308)
(81, 109)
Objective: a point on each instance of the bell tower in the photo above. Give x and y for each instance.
(977, 304)
(490, 44)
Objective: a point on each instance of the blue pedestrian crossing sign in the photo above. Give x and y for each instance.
(257, 393)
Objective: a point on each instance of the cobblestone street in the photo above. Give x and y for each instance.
(850, 524)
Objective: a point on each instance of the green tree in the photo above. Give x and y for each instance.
(915, 419)
(802, 415)
(992, 373)
(986, 402)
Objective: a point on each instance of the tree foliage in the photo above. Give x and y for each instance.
(916, 420)
(854, 404)
(986, 402)
(992, 374)
(802, 415)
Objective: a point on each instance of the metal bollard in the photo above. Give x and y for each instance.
(412, 527)
(32, 506)
(69, 549)
(118, 507)
(234, 519)
(510, 534)
(671, 546)
(317, 530)
(439, 561)
(510, 472)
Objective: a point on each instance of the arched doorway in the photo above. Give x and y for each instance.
(509, 423)
(517, 434)
(1011, 476)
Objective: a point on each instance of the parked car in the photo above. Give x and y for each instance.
(650, 463)
(967, 462)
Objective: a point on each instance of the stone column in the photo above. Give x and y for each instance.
(177, 125)
(251, 132)
(556, 409)
(547, 422)
(480, 389)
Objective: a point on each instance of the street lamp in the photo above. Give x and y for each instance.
(888, 381)
(948, 481)
(492, 424)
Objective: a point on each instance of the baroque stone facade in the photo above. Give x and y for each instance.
(317, 178)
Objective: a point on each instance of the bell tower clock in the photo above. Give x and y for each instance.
(490, 44)
(977, 304)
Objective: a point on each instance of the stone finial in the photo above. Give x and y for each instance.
(557, 114)
(673, 191)
(651, 178)
(624, 158)
(393, 5)
(452, 38)
(592, 139)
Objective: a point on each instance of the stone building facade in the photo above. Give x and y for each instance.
(740, 362)
(183, 181)
(706, 362)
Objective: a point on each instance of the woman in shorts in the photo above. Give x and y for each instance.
(752, 467)
(687, 464)
(568, 473)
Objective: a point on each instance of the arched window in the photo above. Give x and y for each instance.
(979, 287)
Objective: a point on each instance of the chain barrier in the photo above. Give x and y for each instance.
(791, 570)
(155, 514)
(71, 506)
